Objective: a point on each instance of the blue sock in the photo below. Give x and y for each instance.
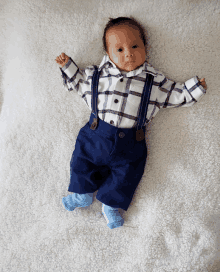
(112, 216)
(74, 200)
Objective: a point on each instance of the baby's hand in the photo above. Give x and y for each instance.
(203, 83)
(62, 59)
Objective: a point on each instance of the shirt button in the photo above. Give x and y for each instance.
(121, 79)
(116, 101)
(121, 135)
(111, 122)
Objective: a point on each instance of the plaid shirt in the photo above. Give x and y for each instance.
(119, 93)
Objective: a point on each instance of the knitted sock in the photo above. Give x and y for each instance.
(112, 216)
(74, 200)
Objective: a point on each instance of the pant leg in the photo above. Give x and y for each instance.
(85, 176)
(89, 164)
(126, 172)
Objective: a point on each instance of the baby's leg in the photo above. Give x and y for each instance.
(74, 200)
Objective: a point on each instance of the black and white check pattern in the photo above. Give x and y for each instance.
(119, 93)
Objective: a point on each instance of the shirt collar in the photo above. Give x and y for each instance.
(107, 63)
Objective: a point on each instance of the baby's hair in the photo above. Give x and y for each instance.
(123, 21)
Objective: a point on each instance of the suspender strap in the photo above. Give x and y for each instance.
(94, 97)
(142, 116)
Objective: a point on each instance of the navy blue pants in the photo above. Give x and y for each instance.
(110, 160)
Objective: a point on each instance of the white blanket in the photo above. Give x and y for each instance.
(173, 222)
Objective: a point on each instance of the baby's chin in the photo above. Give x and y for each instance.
(129, 67)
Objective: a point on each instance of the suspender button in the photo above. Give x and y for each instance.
(140, 135)
(94, 124)
(121, 135)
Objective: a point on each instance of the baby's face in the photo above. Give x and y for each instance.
(125, 47)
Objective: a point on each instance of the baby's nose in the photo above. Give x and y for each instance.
(128, 53)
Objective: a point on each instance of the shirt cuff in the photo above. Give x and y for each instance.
(194, 88)
(70, 68)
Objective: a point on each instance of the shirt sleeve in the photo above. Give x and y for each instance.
(77, 79)
(172, 94)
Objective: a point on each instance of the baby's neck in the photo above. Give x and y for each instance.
(124, 73)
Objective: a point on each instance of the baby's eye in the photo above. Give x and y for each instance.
(119, 50)
(134, 46)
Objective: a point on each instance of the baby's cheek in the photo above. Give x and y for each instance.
(140, 56)
(115, 58)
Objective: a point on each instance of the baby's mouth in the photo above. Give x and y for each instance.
(130, 62)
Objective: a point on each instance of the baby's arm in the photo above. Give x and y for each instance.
(173, 94)
(62, 60)
(75, 78)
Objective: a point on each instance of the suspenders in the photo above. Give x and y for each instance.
(94, 97)
(143, 106)
(142, 116)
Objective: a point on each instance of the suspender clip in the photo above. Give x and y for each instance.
(94, 123)
(140, 135)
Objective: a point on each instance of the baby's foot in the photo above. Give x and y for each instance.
(112, 216)
(74, 200)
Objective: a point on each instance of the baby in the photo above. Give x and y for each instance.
(123, 93)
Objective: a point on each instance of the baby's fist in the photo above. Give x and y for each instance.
(62, 59)
(203, 83)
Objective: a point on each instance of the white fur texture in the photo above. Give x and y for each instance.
(173, 222)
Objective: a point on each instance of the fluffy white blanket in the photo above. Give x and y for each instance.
(173, 222)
